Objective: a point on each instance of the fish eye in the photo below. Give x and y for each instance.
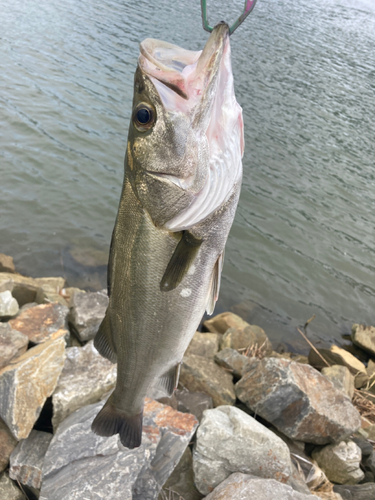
(143, 117)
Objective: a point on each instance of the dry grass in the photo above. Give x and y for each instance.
(365, 407)
(254, 351)
(169, 494)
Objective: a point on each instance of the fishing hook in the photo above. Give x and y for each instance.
(249, 5)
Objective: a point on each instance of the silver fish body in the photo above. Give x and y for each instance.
(175, 213)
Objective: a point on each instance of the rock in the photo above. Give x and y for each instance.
(245, 487)
(8, 305)
(356, 492)
(26, 461)
(341, 378)
(368, 477)
(340, 462)
(47, 294)
(371, 432)
(7, 445)
(181, 481)
(80, 464)
(12, 344)
(25, 289)
(369, 462)
(298, 400)
(209, 378)
(85, 378)
(43, 322)
(365, 445)
(364, 337)
(229, 440)
(8, 489)
(87, 312)
(251, 337)
(193, 402)
(6, 285)
(203, 344)
(26, 384)
(337, 356)
(370, 368)
(6, 264)
(232, 360)
(293, 356)
(223, 321)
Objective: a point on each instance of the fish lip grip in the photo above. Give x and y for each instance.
(249, 5)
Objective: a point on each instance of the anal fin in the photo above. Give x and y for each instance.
(111, 420)
(168, 382)
(103, 341)
(181, 260)
(215, 285)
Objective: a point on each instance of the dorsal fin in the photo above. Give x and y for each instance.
(181, 260)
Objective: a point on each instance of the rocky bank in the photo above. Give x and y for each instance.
(246, 421)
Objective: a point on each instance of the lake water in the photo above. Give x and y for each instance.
(303, 239)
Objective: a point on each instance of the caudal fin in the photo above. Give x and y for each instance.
(110, 420)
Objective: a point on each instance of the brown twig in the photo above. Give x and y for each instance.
(313, 347)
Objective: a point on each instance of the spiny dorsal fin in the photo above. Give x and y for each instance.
(169, 380)
(215, 285)
(103, 341)
(182, 258)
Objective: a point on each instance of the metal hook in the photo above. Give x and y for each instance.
(249, 5)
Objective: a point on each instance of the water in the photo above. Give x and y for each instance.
(303, 239)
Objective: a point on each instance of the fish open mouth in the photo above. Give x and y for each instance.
(200, 85)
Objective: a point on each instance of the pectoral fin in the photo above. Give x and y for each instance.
(103, 341)
(181, 260)
(215, 285)
(169, 380)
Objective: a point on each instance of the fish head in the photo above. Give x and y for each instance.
(185, 140)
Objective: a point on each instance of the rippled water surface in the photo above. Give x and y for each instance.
(303, 239)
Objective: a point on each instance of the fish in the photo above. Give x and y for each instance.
(182, 181)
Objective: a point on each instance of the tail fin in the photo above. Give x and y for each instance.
(110, 420)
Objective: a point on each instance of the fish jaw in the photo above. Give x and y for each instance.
(185, 167)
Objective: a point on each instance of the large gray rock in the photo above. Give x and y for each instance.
(87, 312)
(193, 402)
(203, 344)
(85, 378)
(12, 344)
(356, 492)
(7, 445)
(245, 487)
(340, 462)
(26, 384)
(181, 481)
(229, 440)
(8, 489)
(341, 378)
(204, 375)
(26, 461)
(232, 360)
(364, 337)
(298, 400)
(42, 322)
(8, 305)
(80, 464)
